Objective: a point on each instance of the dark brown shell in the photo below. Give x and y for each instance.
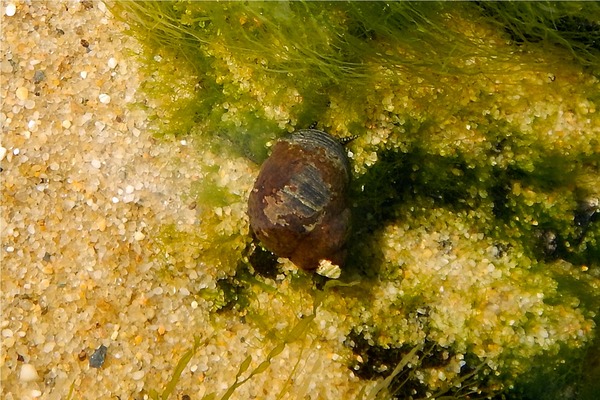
(298, 207)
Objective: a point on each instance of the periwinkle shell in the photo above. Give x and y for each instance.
(298, 207)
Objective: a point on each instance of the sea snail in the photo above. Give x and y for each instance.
(298, 207)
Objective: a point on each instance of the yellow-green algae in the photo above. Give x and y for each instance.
(476, 159)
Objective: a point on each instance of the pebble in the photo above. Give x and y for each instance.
(112, 63)
(38, 76)
(48, 347)
(2, 152)
(28, 373)
(6, 67)
(136, 376)
(97, 359)
(10, 10)
(139, 236)
(104, 98)
(22, 93)
(96, 163)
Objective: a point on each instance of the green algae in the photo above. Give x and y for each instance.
(573, 25)
(476, 159)
(181, 365)
(317, 57)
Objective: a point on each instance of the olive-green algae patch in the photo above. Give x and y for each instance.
(476, 176)
(218, 242)
(572, 25)
(462, 290)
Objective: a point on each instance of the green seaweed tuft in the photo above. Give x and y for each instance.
(572, 25)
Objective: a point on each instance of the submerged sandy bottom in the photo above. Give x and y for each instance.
(86, 190)
(83, 183)
(83, 187)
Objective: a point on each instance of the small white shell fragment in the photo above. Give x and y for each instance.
(104, 98)
(28, 373)
(10, 10)
(112, 63)
(2, 152)
(139, 236)
(327, 269)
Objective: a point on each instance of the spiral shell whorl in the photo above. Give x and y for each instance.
(298, 207)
